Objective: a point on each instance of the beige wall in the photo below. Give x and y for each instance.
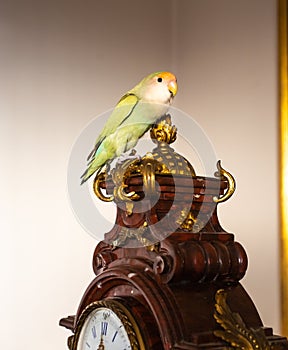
(65, 62)
(227, 66)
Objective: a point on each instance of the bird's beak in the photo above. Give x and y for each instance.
(173, 87)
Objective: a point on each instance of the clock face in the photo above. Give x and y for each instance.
(107, 325)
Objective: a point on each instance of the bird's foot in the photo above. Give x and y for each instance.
(131, 156)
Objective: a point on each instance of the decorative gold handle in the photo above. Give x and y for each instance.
(119, 194)
(96, 187)
(231, 183)
(149, 166)
(121, 173)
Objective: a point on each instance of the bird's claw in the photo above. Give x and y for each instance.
(131, 156)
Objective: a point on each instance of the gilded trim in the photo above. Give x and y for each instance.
(231, 183)
(283, 111)
(234, 331)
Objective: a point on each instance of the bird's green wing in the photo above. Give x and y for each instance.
(121, 112)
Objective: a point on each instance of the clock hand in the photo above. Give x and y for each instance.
(101, 344)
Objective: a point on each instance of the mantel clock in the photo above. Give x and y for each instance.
(167, 275)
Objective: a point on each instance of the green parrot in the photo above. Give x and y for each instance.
(134, 114)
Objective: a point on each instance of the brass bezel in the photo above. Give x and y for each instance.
(122, 312)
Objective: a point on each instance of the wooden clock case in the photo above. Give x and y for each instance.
(184, 289)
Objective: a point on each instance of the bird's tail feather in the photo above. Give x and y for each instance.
(84, 177)
(94, 150)
(87, 174)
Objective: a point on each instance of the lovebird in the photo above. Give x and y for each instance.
(134, 114)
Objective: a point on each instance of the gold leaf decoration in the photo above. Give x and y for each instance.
(235, 332)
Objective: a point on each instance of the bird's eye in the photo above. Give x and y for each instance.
(159, 80)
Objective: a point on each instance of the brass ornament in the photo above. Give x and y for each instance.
(231, 183)
(133, 233)
(163, 134)
(101, 177)
(235, 332)
(164, 131)
(119, 175)
(188, 222)
(148, 169)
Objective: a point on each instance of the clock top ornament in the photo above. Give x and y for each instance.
(167, 273)
(160, 193)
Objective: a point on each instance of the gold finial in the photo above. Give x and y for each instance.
(163, 134)
(164, 131)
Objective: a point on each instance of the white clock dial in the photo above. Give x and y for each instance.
(103, 330)
(107, 325)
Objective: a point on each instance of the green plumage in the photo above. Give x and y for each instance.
(134, 114)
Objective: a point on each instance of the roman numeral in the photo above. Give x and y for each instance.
(88, 345)
(114, 336)
(93, 330)
(104, 327)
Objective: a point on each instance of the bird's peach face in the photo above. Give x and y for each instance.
(161, 88)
